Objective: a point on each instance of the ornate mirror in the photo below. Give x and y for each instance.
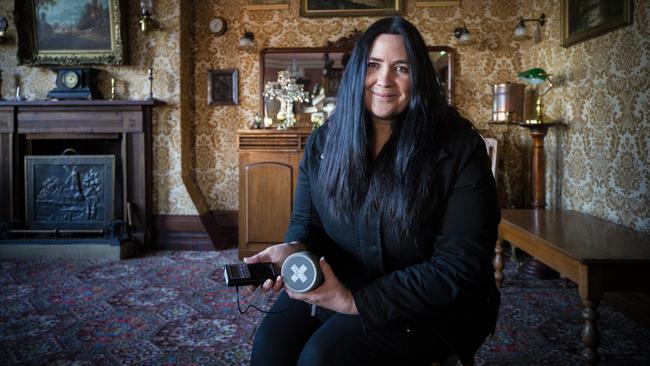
(319, 71)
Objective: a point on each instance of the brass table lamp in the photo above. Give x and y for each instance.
(537, 76)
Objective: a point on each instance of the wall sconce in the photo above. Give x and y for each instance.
(521, 32)
(247, 41)
(3, 28)
(146, 22)
(462, 34)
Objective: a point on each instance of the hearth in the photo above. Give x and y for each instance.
(69, 192)
(75, 178)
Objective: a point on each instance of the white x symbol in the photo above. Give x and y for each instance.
(298, 273)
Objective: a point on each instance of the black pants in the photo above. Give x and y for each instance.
(294, 337)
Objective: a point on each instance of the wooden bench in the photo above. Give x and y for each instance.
(594, 253)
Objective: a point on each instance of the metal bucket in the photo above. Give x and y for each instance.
(508, 102)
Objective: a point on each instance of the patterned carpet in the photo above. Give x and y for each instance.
(171, 308)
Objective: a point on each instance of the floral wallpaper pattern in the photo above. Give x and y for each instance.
(159, 49)
(492, 57)
(598, 163)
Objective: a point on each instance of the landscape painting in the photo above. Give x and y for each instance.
(73, 25)
(69, 32)
(583, 20)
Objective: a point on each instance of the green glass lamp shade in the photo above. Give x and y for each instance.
(534, 76)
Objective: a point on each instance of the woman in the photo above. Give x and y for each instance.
(396, 195)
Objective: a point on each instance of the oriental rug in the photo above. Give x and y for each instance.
(172, 308)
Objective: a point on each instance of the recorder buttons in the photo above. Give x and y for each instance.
(301, 272)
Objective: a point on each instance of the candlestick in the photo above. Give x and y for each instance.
(112, 88)
(17, 79)
(150, 77)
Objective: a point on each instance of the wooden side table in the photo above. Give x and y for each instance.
(538, 132)
(594, 253)
(538, 168)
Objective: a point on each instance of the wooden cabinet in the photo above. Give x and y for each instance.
(268, 172)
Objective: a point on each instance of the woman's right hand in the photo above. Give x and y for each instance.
(275, 254)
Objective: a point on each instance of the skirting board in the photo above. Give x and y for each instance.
(67, 251)
(186, 232)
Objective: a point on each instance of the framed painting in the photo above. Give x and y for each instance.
(586, 19)
(433, 3)
(267, 4)
(222, 87)
(69, 32)
(350, 8)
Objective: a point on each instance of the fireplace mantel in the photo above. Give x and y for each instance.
(25, 123)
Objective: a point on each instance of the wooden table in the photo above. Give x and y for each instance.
(594, 253)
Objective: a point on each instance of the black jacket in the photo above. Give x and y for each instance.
(447, 283)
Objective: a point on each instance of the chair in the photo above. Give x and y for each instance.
(491, 146)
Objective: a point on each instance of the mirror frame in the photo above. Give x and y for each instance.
(273, 50)
(449, 78)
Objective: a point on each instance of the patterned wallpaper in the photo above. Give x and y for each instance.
(159, 48)
(599, 163)
(492, 57)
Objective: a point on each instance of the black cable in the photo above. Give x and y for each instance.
(258, 309)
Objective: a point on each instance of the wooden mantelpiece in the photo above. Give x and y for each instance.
(268, 172)
(22, 123)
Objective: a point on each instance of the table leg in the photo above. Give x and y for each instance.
(498, 262)
(590, 288)
(590, 333)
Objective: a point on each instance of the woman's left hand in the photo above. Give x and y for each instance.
(331, 294)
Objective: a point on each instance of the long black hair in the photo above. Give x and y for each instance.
(403, 188)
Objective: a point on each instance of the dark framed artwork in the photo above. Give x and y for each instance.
(434, 3)
(222, 87)
(69, 32)
(586, 19)
(267, 4)
(349, 8)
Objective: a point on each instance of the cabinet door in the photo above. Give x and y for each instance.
(266, 187)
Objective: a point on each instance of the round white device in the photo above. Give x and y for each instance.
(301, 272)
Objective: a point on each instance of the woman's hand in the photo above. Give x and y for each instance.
(332, 294)
(275, 254)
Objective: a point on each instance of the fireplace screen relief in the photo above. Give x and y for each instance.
(69, 191)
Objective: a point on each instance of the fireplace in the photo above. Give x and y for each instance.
(75, 178)
(69, 192)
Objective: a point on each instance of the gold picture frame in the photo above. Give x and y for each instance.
(61, 33)
(435, 3)
(585, 19)
(267, 4)
(350, 8)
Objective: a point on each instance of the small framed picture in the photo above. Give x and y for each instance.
(222, 87)
(267, 4)
(432, 3)
(585, 19)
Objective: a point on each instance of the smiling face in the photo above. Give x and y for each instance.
(387, 89)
